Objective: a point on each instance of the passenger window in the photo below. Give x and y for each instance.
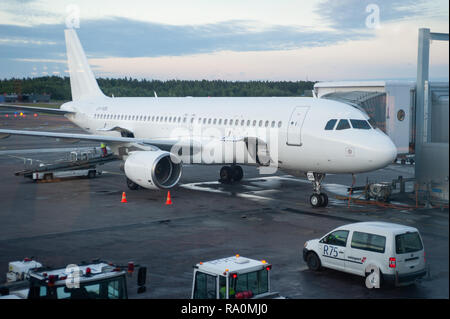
(254, 122)
(343, 125)
(209, 121)
(279, 124)
(267, 124)
(225, 122)
(215, 121)
(220, 121)
(248, 122)
(337, 238)
(273, 124)
(231, 122)
(368, 242)
(204, 120)
(242, 122)
(260, 123)
(199, 120)
(330, 125)
(360, 124)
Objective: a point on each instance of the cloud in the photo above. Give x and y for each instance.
(352, 14)
(122, 37)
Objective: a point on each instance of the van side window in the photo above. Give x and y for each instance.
(343, 125)
(368, 242)
(330, 125)
(337, 238)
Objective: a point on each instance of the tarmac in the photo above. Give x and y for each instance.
(262, 217)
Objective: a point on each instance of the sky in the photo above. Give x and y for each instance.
(238, 40)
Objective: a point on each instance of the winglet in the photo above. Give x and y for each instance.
(82, 81)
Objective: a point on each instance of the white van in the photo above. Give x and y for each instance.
(379, 251)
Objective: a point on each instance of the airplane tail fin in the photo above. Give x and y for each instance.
(82, 81)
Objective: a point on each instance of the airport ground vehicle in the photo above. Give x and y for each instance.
(234, 277)
(49, 175)
(385, 252)
(27, 279)
(79, 164)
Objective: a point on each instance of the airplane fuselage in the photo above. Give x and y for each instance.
(293, 128)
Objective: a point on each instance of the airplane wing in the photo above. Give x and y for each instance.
(163, 144)
(171, 144)
(34, 109)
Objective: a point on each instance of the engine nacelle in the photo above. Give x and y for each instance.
(153, 169)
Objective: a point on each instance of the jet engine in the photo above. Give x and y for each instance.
(153, 169)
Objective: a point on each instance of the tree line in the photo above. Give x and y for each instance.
(59, 87)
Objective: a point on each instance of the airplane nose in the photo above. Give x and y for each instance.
(386, 153)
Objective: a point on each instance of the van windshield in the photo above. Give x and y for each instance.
(408, 243)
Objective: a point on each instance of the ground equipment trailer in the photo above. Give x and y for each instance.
(80, 164)
(232, 278)
(27, 279)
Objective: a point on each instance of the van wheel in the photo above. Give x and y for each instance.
(48, 177)
(313, 261)
(91, 174)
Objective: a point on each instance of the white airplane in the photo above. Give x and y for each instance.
(155, 136)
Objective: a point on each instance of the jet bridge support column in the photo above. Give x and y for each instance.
(431, 162)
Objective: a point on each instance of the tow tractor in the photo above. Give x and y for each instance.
(27, 279)
(233, 277)
(79, 164)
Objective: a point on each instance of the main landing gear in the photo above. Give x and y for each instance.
(317, 199)
(230, 174)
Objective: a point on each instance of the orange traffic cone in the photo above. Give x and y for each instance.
(124, 198)
(168, 201)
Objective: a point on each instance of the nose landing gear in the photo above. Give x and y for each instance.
(317, 199)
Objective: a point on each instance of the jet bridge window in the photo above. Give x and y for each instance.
(343, 125)
(330, 125)
(360, 124)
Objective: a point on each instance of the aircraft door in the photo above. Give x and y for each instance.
(295, 125)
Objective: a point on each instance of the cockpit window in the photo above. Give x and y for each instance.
(330, 125)
(360, 124)
(343, 125)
